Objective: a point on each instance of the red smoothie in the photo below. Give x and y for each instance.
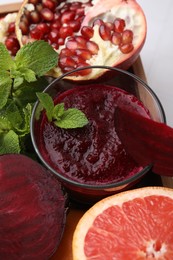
(92, 154)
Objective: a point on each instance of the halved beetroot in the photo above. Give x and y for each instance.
(32, 209)
(110, 32)
(149, 142)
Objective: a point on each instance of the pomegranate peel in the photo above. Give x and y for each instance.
(95, 23)
(153, 142)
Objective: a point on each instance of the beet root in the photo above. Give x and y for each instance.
(32, 209)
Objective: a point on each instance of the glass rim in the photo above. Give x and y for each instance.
(99, 186)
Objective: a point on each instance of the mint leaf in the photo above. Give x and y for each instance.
(29, 75)
(9, 143)
(6, 61)
(4, 124)
(18, 80)
(47, 103)
(13, 115)
(72, 118)
(5, 87)
(26, 93)
(58, 111)
(38, 56)
(26, 120)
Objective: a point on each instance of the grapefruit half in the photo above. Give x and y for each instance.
(136, 224)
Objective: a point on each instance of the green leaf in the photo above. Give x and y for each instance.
(29, 75)
(18, 80)
(47, 103)
(72, 118)
(58, 111)
(14, 116)
(9, 143)
(4, 123)
(6, 61)
(38, 56)
(5, 87)
(26, 120)
(26, 93)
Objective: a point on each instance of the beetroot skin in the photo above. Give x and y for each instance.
(32, 209)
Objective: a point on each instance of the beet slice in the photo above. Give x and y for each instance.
(32, 209)
(147, 141)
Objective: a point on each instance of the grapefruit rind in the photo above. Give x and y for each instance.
(86, 222)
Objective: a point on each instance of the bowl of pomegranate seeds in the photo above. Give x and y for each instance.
(74, 133)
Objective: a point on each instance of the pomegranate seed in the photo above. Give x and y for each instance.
(49, 4)
(24, 28)
(57, 16)
(55, 46)
(67, 16)
(87, 32)
(65, 52)
(98, 22)
(33, 2)
(36, 34)
(79, 19)
(83, 53)
(67, 61)
(39, 7)
(81, 40)
(85, 71)
(61, 41)
(72, 45)
(68, 69)
(110, 26)
(116, 38)
(56, 25)
(43, 27)
(74, 6)
(64, 32)
(126, 48)
(35, 17)
(119, 25)
(127, 36)
(92, 47)
(80, 11)
(104, 32)
(75, 25)
(53, 35)
(26, 14)
(12, 45)
(77, 59)
(47, 14)
(25, 19)
(11, 27)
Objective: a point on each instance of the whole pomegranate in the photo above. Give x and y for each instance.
(85, 32)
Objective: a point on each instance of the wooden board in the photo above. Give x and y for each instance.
(64, 251)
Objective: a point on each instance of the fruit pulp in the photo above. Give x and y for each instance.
(93, 154)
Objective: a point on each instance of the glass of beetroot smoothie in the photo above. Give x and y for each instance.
(91, 161)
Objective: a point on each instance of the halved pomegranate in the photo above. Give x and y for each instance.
(91, 32)
(7, 33)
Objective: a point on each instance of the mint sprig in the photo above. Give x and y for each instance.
(67, 119)
(20, 78)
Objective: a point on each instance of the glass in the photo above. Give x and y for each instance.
(90, 193)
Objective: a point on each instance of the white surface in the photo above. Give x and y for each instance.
(157, 54)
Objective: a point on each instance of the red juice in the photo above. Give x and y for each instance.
(93, 154)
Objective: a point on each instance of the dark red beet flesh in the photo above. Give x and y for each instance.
(148, 142)
(32, 209)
